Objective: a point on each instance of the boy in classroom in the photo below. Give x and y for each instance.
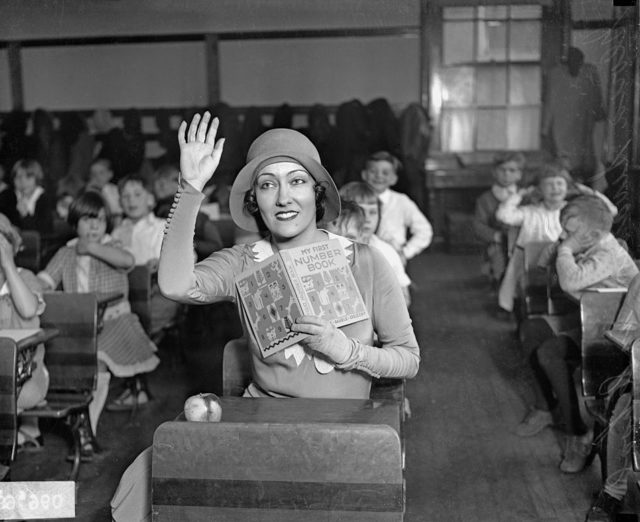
(140, 233)
(100, 176)
(399, 213)
(21, 304)
(507, 173)
(94, 262)
(366, 198)
(539, 220)
(588, 256)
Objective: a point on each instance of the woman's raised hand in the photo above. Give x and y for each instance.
(199, 151)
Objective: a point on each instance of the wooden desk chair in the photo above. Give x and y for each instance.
(8, 404)
(30, 253)
(236, 367)
(236, 376)
(276, 472)
(141, 287)
(601, 359)
(72, 361)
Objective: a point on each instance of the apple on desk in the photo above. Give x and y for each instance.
(204, 407)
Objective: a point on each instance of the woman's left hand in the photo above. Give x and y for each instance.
(323, 337)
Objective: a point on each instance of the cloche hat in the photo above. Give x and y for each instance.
(280, 145)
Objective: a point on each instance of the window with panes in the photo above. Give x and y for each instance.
(490, 78)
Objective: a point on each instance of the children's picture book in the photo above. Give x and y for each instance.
(311, 280)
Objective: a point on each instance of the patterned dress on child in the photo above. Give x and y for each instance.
(123, 344)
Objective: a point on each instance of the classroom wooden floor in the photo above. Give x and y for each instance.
(463, 460)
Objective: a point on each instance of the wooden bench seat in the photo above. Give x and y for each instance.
(239, 471)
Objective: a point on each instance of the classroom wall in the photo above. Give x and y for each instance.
(114, 76)
(320, 70)
(252, 72)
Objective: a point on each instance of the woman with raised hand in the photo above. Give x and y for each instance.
(284, 191)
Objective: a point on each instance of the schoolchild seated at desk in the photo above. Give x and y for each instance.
(538, 219)
(507, 173)
(21, 303)
(34, 205)
(356, 222)
(366, 198)
(95, 262)
(402, 224)
(141, 233)
(588, 256)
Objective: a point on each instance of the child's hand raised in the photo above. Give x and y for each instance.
(83, 247)
(199, 151)
(6, 252)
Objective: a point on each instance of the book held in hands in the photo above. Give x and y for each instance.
(314, 279)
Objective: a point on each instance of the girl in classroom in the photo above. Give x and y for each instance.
(21, 304)
(94, 262)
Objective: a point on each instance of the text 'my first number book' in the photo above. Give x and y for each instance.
(311, 280)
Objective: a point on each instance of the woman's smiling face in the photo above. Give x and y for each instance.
(286, 198)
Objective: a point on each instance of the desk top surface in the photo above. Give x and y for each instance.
(289, 411)
(29, 337)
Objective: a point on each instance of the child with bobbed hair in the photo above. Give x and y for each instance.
(402, 224)
(94, 262)
(366, 198)
(507, 173)
(588, 256)
(35, 209)
(538, 219)
(21, 304)
(350, 222)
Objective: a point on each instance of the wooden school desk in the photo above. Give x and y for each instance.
(282, 459)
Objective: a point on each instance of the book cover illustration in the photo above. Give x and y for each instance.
(312, 280)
